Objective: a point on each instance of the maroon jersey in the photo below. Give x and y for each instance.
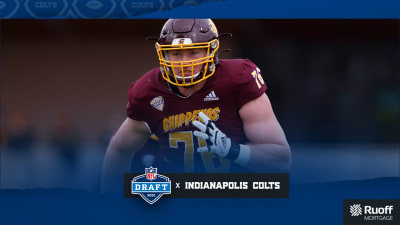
(170, 116)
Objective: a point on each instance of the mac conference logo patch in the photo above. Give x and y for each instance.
(151, 186)
(158, 103)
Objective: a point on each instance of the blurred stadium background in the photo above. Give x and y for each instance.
(333, 84)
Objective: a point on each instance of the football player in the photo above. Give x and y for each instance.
(209, 114)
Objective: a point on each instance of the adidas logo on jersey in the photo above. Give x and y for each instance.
(211, 97)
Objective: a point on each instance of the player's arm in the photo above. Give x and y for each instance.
(269, 149)
(127, 140)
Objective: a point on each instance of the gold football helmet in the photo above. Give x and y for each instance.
(179, 35)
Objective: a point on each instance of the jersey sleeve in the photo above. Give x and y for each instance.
(250, 84)
(135, 108)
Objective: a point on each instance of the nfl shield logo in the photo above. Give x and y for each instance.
(151, 173)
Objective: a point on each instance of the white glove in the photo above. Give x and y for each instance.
(218, 142)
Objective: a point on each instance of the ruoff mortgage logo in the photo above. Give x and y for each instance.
(356, 210)
(370, 211)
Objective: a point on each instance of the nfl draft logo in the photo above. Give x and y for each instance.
(151, 186)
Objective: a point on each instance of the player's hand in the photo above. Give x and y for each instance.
(217, 141)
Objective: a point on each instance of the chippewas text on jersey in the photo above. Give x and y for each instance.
(178, 120)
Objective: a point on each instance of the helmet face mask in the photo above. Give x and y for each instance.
(187, 72)
(187, 51)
